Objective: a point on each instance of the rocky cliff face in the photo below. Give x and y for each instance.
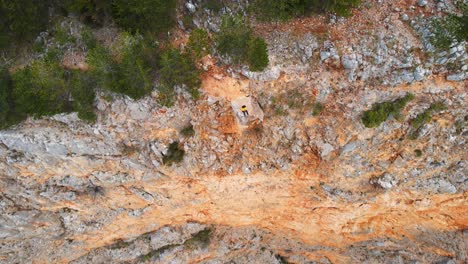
(299, 188)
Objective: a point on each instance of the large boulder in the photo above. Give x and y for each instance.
(255, 113)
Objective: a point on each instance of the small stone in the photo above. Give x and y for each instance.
(190, 7)
(456, 77)
(422, 3)
(404, 17)
(419, 74)
(386, 181)
(324, 55)
(349, 62)
(453, 50)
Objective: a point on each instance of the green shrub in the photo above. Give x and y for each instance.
(267, 10)
(214, 5)
(174, 154)
(257, 54)
(177, 69)
(339, 7)
(131, 76)
(381, 111)
(281, 10)
(199, 43)
(61, 35)
(5, 92)
(318, 108)
(94, 12)
(101, 66)
(166, 95)
(424, 118)
(128, 73)
(22, 20)
(451, 27)
(156, 16)
(40, 89)
(418, 152)
(200, 239)
(188, 131)
(235, 39)
(82, 86)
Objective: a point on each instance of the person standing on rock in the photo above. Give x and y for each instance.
(244, 110)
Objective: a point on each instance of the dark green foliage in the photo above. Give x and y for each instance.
(166, 95)
(267, 10)
(22, 20)
(187, 21)
(214, 5)
(236, 40)
(257, 54)
(100, 65)
(131, 75)
(177, 69)
(421, 119)
(43, 88)
(418, 152)
(318, 108)
(381, 111)
(188, 131)
(155, 254)
(281, 259)
(94, 12)
(40, 89)
(199, 43)
(156, 16)
(82, 86)
(6, 87)
(128, 74)
(279, 10)
(424, 118)
(233, 38)
(451, 27)
(200, 239)
(339, 7)
(174, 154)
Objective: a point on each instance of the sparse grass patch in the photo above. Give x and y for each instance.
(318, 108)
(155, 254)
(293, 99)
(461, 124)
(200, 239)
